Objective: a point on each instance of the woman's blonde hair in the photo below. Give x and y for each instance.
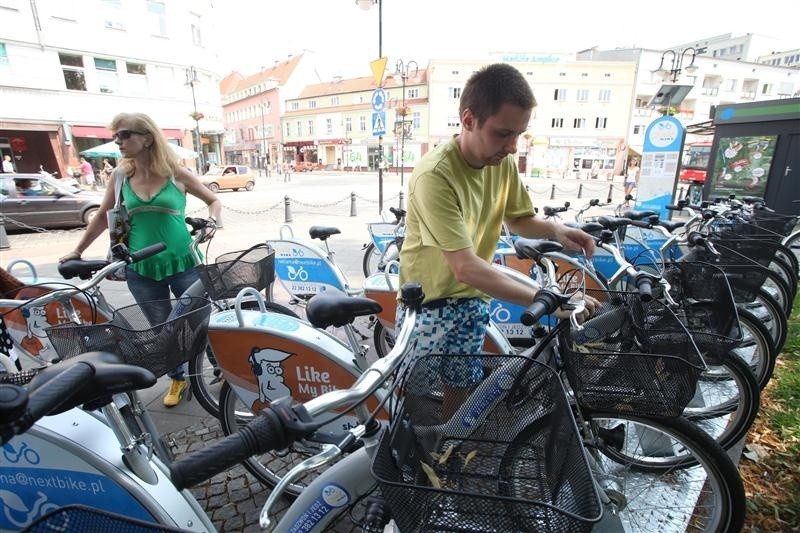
(163, 161)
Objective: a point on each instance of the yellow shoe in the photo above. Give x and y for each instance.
(176, 388)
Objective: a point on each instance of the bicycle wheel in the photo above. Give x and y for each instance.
(793, 245)
(726, 402)
(272, 466)
(205, 378)
(369, 264)
(383, 340)
(664, 474)
(784, 270)
(756, 348)
(779, 289)
(769, 312)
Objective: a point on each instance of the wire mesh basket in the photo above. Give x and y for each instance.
(737, 249)
(507, 457)
(631, 357)
(775, 222)
(158, 348)
(233, 271)
(707, 307)
(90, 520)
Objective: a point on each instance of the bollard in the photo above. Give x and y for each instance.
(553, 192)
(353, 212)
(287, 210)
(580, 190)
(402, 203)
(4, 244)
(610, 191)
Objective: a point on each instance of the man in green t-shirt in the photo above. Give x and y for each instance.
(458, 197)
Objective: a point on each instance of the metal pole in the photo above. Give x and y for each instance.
(191, 78)
(380, 137)
(263, 140)
(403, 130)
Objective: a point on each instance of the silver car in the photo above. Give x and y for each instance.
(44, 202)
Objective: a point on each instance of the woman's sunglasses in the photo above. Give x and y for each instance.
(123, 135)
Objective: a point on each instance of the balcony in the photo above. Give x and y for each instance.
(710, 91)
(748, 95)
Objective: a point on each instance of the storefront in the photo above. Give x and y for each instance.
(32, 146)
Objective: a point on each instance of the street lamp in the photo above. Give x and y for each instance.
(191, 79)
(403, 71)
(263, 138)
(676, 63)
(366, 5)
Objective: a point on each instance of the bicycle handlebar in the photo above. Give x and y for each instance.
(545, 302)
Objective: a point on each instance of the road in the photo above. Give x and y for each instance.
(233, 499)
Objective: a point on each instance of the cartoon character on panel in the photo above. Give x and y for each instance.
(266, 366)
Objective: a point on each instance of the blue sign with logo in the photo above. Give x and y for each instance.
(658, 176)
(379, 123)
(378, 99)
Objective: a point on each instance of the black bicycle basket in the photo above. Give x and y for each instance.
(84, 519)
(706, 306)
(233, 271)
(158, 348)
(508, 458)
(775, 222)
(631, 357)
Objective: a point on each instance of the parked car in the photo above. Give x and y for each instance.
(229, 177)
(307, 166)
(45, 202)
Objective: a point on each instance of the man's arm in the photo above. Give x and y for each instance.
(533, 227)
(471, 270)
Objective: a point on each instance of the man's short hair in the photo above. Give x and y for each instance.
(491, 87)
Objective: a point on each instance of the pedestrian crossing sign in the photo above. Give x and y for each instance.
(378, 123)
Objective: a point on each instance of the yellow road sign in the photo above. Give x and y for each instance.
(378, 68)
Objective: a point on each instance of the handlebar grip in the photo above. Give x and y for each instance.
(696, 239)
(673, 207)
(544, 303)
(265, 433)
(148, 251)
(645, 287)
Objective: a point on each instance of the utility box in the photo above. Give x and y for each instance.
(756, 152)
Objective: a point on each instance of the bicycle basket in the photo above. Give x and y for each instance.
(509, 459)
(90, 520)
(631, 357)
(234, 271)
(707, 307)
(157, 348)
(776, 222)
(743, 250)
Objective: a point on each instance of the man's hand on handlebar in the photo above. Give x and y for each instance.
(74, 254)
(581, 305)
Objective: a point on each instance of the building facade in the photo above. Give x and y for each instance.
(65, 73)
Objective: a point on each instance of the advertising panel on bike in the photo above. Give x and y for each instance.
(304, 270)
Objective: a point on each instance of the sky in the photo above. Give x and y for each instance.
(344, 38)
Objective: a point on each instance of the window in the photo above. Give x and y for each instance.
(579, 123)
(329, 126)
(295, 106)
(288, 130)
(562, 74)
(269, 130)
(311, 127)
(730, 85)
(299, 129)
(113, 14)
(3, 54)
(637, 129)
(454, 92)
(560, 95)
(158, 17)
(348, 124)
(413, 93)
(312, 104)
(334, 100)
(197, 36)
(583, 95)
(607, 75)
(362, 123)
(74, 77)
(604, 95)
(453, 122)
(766, 88)
(557, 123)
(416, 120)
(584, 74)
(106, 75)
(600, 123)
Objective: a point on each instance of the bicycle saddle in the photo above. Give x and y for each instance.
(613, 223)
(322, 232)
(111, 375)
(534, 248)
(638, 215)
(671, 226)
(337, 310)
(81, 268)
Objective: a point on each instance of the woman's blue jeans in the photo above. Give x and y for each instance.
(146, 289)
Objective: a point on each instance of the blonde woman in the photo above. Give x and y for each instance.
(154, 191)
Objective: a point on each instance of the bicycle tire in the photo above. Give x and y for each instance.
(205, 379)
(769, 312)
(661, 483)
(272, 466)
(792, 244)
(383, 340)
(731, 399)
(756, 348)
(784, 270)
(784, 253)
(370, 260)
(779, 289)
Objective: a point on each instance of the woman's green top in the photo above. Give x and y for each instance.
(160, 219)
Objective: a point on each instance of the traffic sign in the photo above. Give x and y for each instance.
(378, 99)
(378, 68)
(379, 123)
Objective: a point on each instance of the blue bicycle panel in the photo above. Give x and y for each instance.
(304, 270)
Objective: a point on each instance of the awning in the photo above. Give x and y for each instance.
(101, 132)
(701, 128)
(299, 143)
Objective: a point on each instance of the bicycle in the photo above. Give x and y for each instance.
(385, 242)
